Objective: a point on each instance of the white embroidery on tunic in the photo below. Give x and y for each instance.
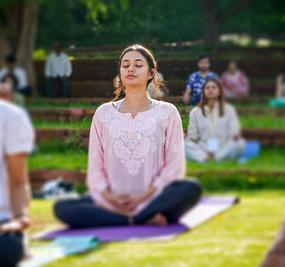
(132, 150)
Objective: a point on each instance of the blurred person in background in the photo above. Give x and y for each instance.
(8, 94)
(15, 96)
(16, 142)
(280, 86)
(19, 73)
(196, 80)
(58, 70)
(235, 82)
(214, 131)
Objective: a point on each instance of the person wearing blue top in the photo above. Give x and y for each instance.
(196, 80)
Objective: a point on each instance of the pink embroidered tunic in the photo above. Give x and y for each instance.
(130, 154)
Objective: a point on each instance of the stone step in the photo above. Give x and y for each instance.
(267, 137)
(176, 100)
(104, 88)
(76, 114)
(172, 69)
(180, 46)
(62, 114)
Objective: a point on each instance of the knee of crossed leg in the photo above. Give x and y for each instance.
(12, 252)
(63, 210)
(192, 189)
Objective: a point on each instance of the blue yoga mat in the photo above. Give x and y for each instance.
(59, 248)
(252, 150)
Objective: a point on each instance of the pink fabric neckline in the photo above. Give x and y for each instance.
(127, 114)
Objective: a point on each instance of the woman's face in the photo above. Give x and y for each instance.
(211, 90)
(232, 67)
(134, 70)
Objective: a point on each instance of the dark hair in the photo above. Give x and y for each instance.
(13, 77)
(203, 57)
(10, 58)
(233, 61)
(221, 99)
(152, 64)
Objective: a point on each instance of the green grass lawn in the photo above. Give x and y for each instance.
(270, 159)
(65, 155)
(269, 121)
(82, 124)
(264, 121)
(254, 174)
(53, 157)
(237, 238)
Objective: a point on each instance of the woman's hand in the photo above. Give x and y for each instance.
(15, 225)
(127, 203)
(119, 201)
(186, 97)
(236, 137)
(135, 201)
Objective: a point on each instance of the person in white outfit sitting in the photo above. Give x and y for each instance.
(12, 68)
(214, 130)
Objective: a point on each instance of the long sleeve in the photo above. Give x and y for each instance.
(68, 67)
(48, 71)
(192, 131)
(189, 82)
(174, 157)
(22, 77)
(244, 84)
(215, 76)
(96, 175)
(233, 122)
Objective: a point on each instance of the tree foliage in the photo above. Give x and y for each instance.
(90, 22)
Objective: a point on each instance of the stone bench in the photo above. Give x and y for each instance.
(104, 88)
(267, 137)
(176, 100)
(76, 114)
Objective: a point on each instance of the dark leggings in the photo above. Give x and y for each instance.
(172, 202)
(11, 249)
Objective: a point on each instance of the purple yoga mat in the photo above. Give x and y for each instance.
(119, 233)
(204, 210)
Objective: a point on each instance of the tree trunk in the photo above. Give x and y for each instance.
(211, 25)
(3, 46)
(214, 17)
(13, 13)
(27, 40)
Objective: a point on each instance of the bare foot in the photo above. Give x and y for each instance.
(158, 219)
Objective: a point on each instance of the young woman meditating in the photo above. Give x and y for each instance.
(136, 156)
